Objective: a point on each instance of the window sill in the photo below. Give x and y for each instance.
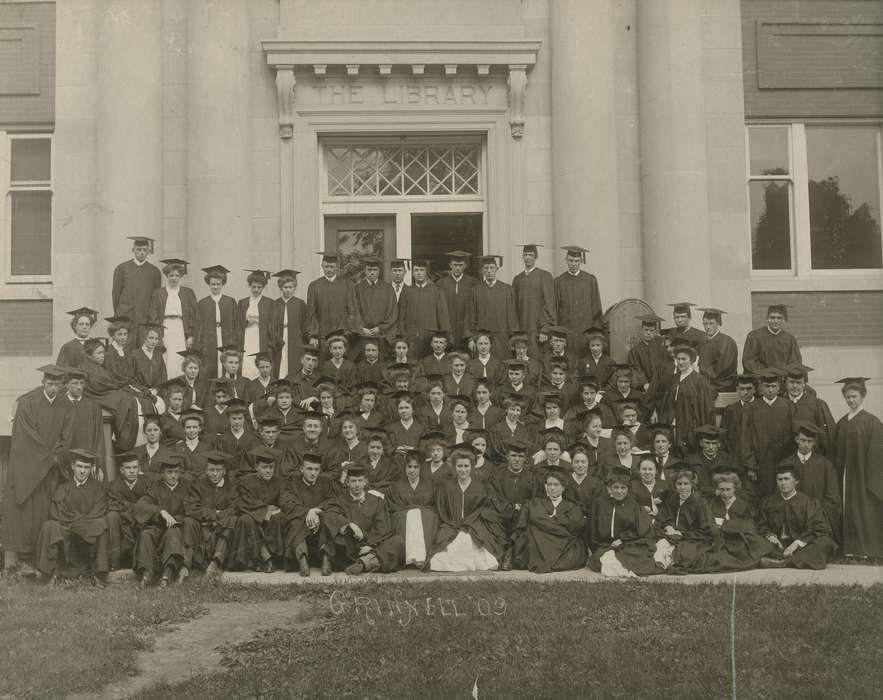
(26, 290)
(821, 283)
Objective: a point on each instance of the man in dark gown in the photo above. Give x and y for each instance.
(457, 287)
(328, 300)
(492, 307)
(772, 345)
(303, 505)
(578, 300)
(534, 290)
(133, 282)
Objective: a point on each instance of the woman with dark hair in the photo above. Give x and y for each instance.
(553, 527)
(174, 308)
(253, 321)
(118, 360)
(648, 489)
(147, 361)
(215, 320)
(411, 502)
(741, 546)
(71, 353)
(686, 527)
(858, 454)
(345, 450)
(484, 365)
(288, 326)
(153, 452)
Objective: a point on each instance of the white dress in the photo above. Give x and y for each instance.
(252, 341)
(173, 332)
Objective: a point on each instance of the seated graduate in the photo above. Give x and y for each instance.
(516, 384)
(622, 387)
(434, 446)
(87, 419)
(172, 428)
(458, 382)
(601, 451)
(259, 535)
(72, 353)
(595, 362)
(476, 439)
(194, 447)
(122, 495)
(380, 470)
(73, 542)
(238, 439)
(401, 362)
(310, 438)
(304, 502)
(630, 414)
(510, 428)
(160, 513)
(624, 454)
(551, 454)
(511, 487)
(337, 368)
(554, 527)
(685, 527)
(404, 433)
(589, 400)
(269, 436)
(818, 479)
(620, 532)
(369, 368)
(795, 524)
(665, 459)
(348, 448)
(279, 404)
(359, 528)
(436, 362)
(560, 384)
(259, 387)
(149, 367)
(583, 484)
(239, 387)
(216, 420)
(741, 545)
(648, 489)
(531, 369)
(459, 407)
(469, 534)
(708, 457)
(211, 509)
(435, 413)
(411, 500)
(118, 360)
(547, 412)
(484, 365)
(484, 414)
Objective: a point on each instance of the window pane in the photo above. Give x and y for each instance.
(768, 148)
(770, 225)
(844, 198)
(31, 233)
(30, 160)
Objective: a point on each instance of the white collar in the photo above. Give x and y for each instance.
(772, 332)
(52, 400)
(795, 399)
(574, 274)
(147, 352)
(139, 264)
(73, 400)
(220, 484)
(684, 375)
(788, 498)
(216, 299)
(527, 272)
(78, 484)
(768, 402)
(457, 279)
(714, 335)
(804, 458)
(853, 414)
(330, 279)
(556, 501)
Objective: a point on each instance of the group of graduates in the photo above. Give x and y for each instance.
(449, 425)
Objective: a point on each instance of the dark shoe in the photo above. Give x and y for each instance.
(772, 563)
(266, 567)
(304, 566)
(326, 565)
(183, 574)
(354, 569)
(506, 565)
(99, 581)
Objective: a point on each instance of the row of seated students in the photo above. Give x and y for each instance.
(434, 509)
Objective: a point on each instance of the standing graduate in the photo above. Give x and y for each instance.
(578, 299)
(149, 367)
(735, 419)
(535, 302)
(254, 320)
(648, 355)
(682, 315)
(858, 454)
(374, 308)
(458, 287)
(134, 282)
(766, 439)
(216, 319)
(397, 269)
(174, 308)
(423, 309)
(288, 330)
(210, 509)
(87, 430)
(329, 300)
(41, 431)
(73, 541)
(718, 355)
(122, 495)
(771, 345)
(71, 353)
(689, 402)
(806, 406)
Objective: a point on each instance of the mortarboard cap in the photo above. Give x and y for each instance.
(778, 309)
(562, 475)
(657, 428)
(218, 383)
(476, 432)
(434, 436)
(681, 466)
(336, 334)
(142, 240)
(682, 307)
(516, 446)
(171, 461)
(746, 378)
(193, 412)
(261, 357)
(82, 455)
(331, 256)
(173, 383)
(176, 263)
(576, 250)
(769, 374)
(529, 247)
(270, 421)
(399, 395)
(487, 259)
(190, 352)
(459, 255)
(557, 331)
(797, 371)
(462, 399)
(708, 432)
(668, 332)
(125, 458)
(806, 427)
(722, 469)
(74, 372)
(84, 311)
(52, 371)
(515, 364)
(263, 454)
(231, 349)
(712, 313)
(619, 473)
(400, 262)
(287, 273)
(356, 470)
(216, 457)
(420, 262)
(312, 457)
(313, 415)
(261, 274)
(594, 332)
(215, 270)
(236, 406)
(587, 380)
(853, 382)
(789, 466)
(650, 320)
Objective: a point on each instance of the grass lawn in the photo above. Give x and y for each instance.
(519, 640)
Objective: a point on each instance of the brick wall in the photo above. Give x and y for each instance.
(812, 58)
(827, 318)
(25, 328)
(27, 64)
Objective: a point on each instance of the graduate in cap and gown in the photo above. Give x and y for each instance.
(304, 503)
(216, 319)
(422, 309)
(259, 534)
(71, 353)
(708, 457)
(534, 290)
(718, 355)
(117, 359)
(122, 495)
(806, 406)
(771, 345)
(329, 300)
(73, 541)
(148, 364)
(288, 324)
(375, 309)
(87, 431)
(595, 362)
(578, 299)
(735, 419)
(238, 439)
(254, 317)
(767, 438)
(458, 288)
(411, 500)
(858, 454)
(174, 308)
(689, 402)
(211, 509)
(134, 282)
(795, 524)
(648, 355)
(682, 315)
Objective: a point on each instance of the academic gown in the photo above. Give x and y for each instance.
(41, 432)
(133, 285)
(798, 518)
(372, 516)
(119, 365)
(423, 309)
(470, 511)
(328, 306)
(122, 528)
(252, 531)
(151, 465)
(718, 362)
(265, 313)
(160, 546)
(194, 459)
(400, 435)
(298, 499)
(646, 358)
(76, 517)
(156, 310)
(818, 479)
(71, 353)
(648, 498)
(216, 422)
(172, 430)
(148, 371)
(501, 432)
(584, 493)
(579, 307)
(767, 440)
(288, 333)
(492, 307)
(741, 546)
(599, 368)
(699, 537)
(690, 404)
(402, 498)
(458, 296)
(208, 322)
(374, 306)
(489, 370)
(210, 516)
(626, 521)
(535, 303)
(238, 449)
(509, 489)
(859, 457)
(553, 535)
(766, 349)
(734, 423)
(813, 409)
(486, 420)
(705, 469)
(339, 452)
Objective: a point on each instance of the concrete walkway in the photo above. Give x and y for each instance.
(834, 575)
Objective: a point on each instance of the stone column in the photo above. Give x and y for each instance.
(129, 134)
(673, 153)
(219, 187)
(584, 163)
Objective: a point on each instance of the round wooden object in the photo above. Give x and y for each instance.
(623, 326)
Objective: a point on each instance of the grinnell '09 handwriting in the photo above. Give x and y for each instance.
(404, 611)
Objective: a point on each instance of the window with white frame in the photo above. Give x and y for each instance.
(815, 195)
(27, 243)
